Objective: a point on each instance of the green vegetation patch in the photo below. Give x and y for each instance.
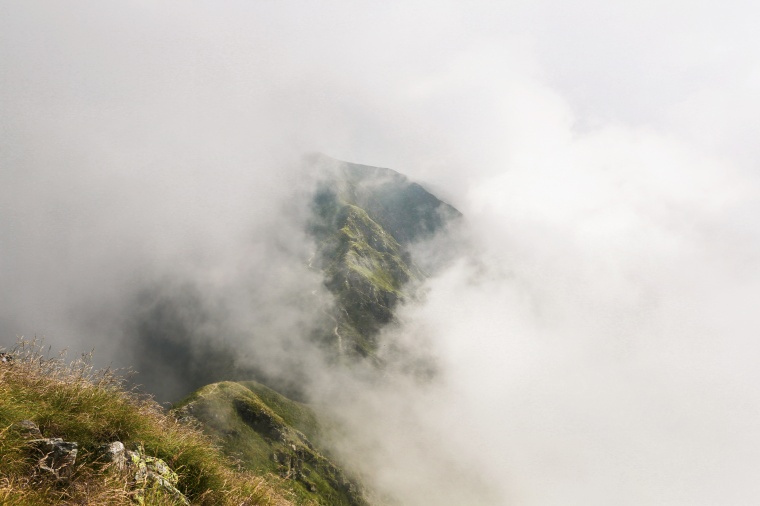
(267, 432)
(78, 404)
(295, 414)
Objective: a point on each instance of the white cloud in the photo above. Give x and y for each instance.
(599, 347)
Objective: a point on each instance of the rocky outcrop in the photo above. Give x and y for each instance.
(28, 429)
(58, 456)
(147, 476)
(114, 454)
(151, 475)
(55, 457)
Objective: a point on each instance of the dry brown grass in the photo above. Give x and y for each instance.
(77, 403)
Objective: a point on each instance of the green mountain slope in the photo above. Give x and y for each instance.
(64, 427)
(365, 220)
(366, 271)
(269, 433)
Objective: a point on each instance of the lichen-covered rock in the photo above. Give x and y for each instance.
(151, 474)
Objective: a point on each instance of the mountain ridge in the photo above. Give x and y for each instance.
(278, 445)
(366, 219)
(368, 270)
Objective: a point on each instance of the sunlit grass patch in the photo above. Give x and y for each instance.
(75, 402)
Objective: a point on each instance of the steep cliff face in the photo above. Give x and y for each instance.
(365, 220)
(367, 272)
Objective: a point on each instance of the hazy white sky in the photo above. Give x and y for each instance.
(600, 349)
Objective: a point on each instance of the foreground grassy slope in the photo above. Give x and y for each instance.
(77, 404)
(270, 433)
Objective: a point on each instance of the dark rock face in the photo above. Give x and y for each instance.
(58, 456)
(55, 456)
(259, 420)
(365, 220)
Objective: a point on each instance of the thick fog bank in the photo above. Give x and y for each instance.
(588, 352)
(595, 343)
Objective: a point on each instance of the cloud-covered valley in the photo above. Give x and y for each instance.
(595, 339)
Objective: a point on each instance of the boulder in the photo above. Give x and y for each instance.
(114, 454)
(58, 456)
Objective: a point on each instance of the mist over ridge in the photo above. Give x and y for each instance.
(300, 309)
(594, 332)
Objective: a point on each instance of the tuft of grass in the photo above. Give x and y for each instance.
(77, 403)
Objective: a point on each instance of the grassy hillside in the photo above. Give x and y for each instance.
(365, 221)
(77, 404)
(270, 433)
(367, 270)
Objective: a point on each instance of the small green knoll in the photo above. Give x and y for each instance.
(269, 433)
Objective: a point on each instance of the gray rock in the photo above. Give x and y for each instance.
(114, 454)
(59, 456)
